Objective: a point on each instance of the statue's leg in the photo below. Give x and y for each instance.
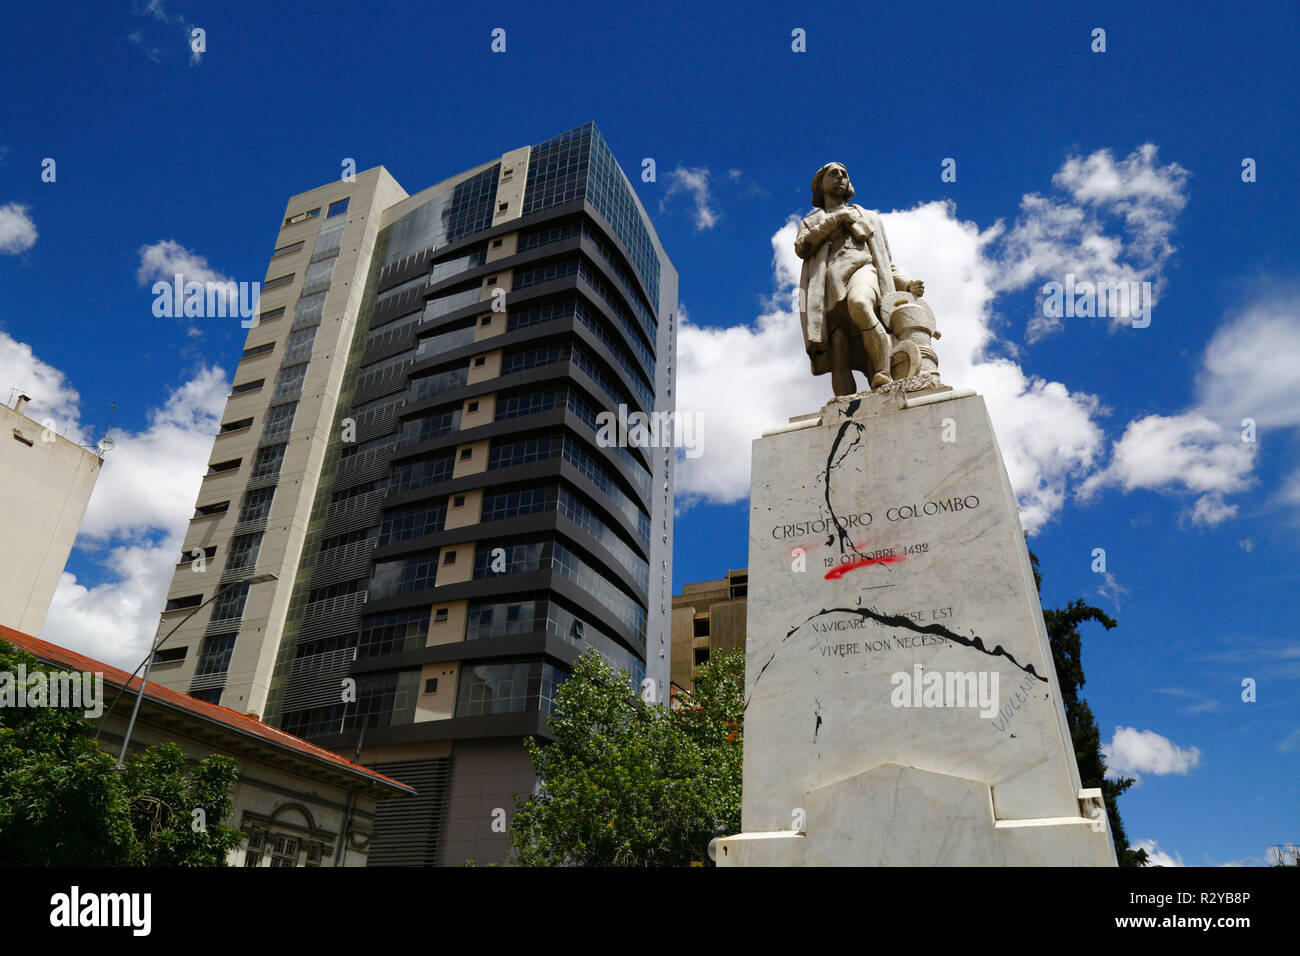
(842, 382)
(863, 300)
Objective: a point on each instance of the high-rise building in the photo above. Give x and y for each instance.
(708, 620)
(412, 445)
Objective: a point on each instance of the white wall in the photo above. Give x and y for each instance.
(44, 488)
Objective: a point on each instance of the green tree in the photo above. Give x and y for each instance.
(1067, 655)
(176, 815)
(64, 803)
(60, 801)
(628, 784)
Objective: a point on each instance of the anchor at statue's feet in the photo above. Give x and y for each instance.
(913, 364)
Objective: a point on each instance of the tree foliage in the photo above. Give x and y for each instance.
(63, 802)
(1067, 655)
(60, 804)
(628, 784)
(176, 815)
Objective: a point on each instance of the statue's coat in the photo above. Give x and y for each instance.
(812, 288)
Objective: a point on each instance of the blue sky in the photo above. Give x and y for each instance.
(1118, 164)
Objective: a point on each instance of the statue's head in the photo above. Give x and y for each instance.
(839, 180)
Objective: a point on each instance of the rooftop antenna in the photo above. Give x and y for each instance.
(106, 444)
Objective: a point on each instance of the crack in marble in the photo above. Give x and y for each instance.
(898, 620)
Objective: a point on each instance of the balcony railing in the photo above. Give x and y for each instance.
(341, 606)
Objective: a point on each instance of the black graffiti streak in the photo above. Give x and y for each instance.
(761, 671)
(832, 463)
(900, 620)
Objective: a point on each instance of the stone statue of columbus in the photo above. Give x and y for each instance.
(853, 296)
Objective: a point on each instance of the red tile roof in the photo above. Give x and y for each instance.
(233, 720)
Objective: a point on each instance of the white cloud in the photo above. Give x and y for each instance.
(1111, 589)
(1147, 196)
(1188, 453)
(136, 518)
(696, 182)
(1248, 383)
(1054, 237)
(115, 621)
(746, 379)
(135, 524)
(51, 395)
(1157, 449)
(1051, 238)
(1251, 366)
(1290, 490)
(741, 381)
(1211, 509)
(1132, 752)
(17, 231)
(1047, 433)
(1157, 856)
(1290, 743)
(164, 260)
(150, 480)
(154, 10)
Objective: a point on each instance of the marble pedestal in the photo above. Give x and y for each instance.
(901, 703)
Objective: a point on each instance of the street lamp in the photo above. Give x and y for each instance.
(147, 663)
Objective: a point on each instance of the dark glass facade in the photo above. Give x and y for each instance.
(472, 535)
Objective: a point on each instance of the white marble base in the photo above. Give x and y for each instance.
(885, 541)
(900, 816)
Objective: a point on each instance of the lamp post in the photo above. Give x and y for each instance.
(147, 663)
